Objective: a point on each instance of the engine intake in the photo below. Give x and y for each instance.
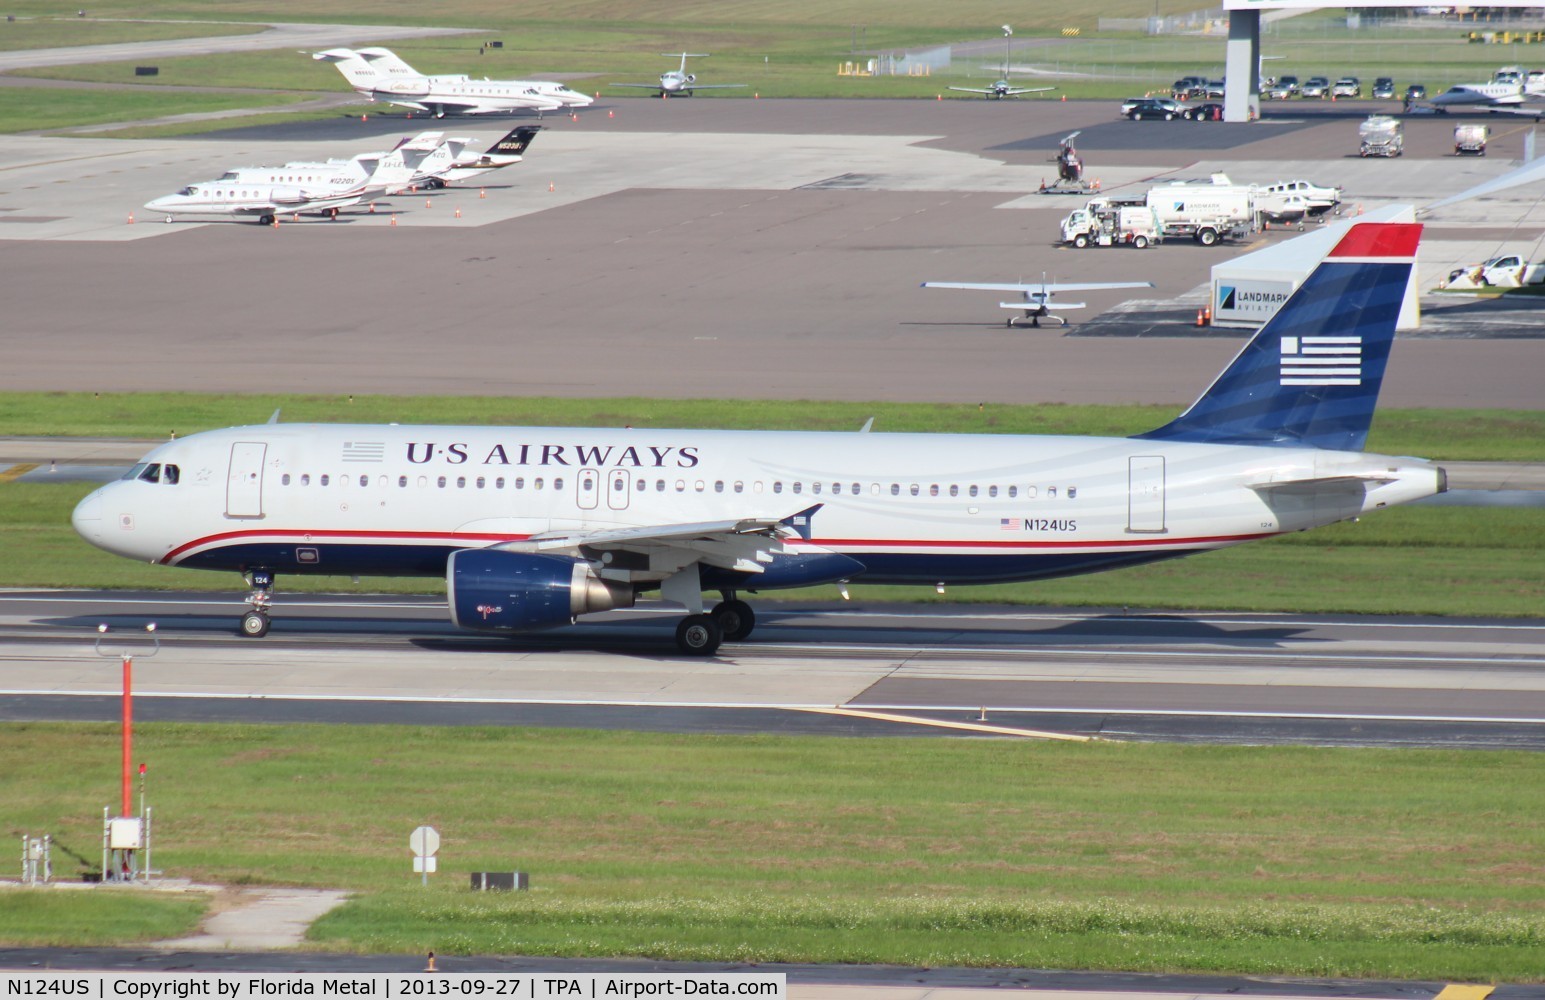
(495, 591)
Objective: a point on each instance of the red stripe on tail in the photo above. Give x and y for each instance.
(1380, 239)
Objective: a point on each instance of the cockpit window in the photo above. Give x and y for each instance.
(170, 474)
(134, 472)
(189, 190)
(152, 473)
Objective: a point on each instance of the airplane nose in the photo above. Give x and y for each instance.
(87, 518)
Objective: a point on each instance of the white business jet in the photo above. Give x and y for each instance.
(679, 81)
(1508, 91)
(370, 174)
(388, 62)
(1002, 88)
(263, 202)
(532, 527)
(451, 95)
(1037, 300)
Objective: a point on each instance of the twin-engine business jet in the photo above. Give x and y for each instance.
(679, 81)
(440, 161)
(534, 526)
(261, 201)
(381, 76)
(1508, 91)
(368, 173)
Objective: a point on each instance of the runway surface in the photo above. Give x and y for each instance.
(892, 670)
(708, 248)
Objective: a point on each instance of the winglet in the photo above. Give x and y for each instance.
(868, 425)
(274, 417)
(800, 522)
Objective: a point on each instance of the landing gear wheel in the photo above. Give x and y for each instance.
(735, 619)
(698, 635)
(254, 624)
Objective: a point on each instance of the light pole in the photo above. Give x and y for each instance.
(126, 654)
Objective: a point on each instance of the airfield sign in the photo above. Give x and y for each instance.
(424, 842)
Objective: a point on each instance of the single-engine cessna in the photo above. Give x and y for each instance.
(1037, 302)
(532, 527)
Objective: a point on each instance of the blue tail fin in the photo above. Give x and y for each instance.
(1311, 376)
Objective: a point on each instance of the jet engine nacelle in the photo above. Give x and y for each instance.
(495, 591)
(691, 77)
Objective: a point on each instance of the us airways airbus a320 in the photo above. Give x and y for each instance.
(533, 527)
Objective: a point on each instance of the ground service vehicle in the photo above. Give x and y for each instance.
(1207, 211)
(1511, 271)
(1470, 140)
(1381, 135)
(1103, 224)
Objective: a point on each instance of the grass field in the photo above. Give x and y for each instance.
(1420, 864)
(59, 108)
(59, 32)
(1452, 435)
(32, 918)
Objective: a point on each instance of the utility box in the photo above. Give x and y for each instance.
(147, 70)
(125, 833)
(496, 45)
(506, 881)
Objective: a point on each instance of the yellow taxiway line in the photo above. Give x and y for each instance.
(971, 727)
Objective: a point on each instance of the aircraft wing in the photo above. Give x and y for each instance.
(1037, 286)
(714, 86)
(1016, 91)
(745, 545)
(645, 86)
(974, 90)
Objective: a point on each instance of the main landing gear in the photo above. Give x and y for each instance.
(255, 623)
(730, 620)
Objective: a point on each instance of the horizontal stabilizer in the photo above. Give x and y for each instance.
(1058, 305)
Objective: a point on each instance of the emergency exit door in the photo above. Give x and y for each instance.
(1145, 494)
(244, 485)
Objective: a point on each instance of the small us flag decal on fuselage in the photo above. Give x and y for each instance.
(1322, 361)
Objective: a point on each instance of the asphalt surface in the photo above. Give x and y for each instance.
(708, 248)
(879, 670)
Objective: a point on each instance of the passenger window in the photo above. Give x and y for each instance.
(284, 480)
(815, 488)
(992, 491)
(1051, 492)
(933, 490)
(895, 489)
(364, 480)
(305, 479)
(916, 489)
(659, 486)
(480, 482)
(756, 487)
(324, 479)
(402, 481)
(536, 483)
(558, 483)
(520, 482)
(681, 486)
(343, 480)
(799, 487)
(1072, 492)
(856, 489)
(718, 486)
(972, 490)
(499, 483)
(1030, 492)
(441, 482)
(423, 481)
(740, 487)
(1013, 492)
(461, 482)
(777, 486)
(954, 489)
(699, 486)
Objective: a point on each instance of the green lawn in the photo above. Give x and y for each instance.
(30, 109)
(61, 32)
(1281, 861)
(41, 918)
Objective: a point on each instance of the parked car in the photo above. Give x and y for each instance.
(1416, 92)
(1215, 88)
(1347, 86)
(1315, 86)
(1290, 82)
(1278, 91)
(1383, 89)
(1130, 103)
(1156, 107)
(1203, 113)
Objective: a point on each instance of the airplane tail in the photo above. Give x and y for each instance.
(515, 141)
(388, 63)
(1311, 376)
(355, 69)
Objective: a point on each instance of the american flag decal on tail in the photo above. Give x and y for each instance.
(1321, 361)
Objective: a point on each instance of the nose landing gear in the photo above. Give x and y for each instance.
(255, 623)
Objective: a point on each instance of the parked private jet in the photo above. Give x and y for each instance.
(1508, 90)
(440, 161)
(679, 81)
(533, 527)
(264, 202)
(437, 95)
(370, 174)
(1037, 300)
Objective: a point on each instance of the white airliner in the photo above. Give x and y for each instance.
(441, 160)
(534, 526)
(261, 201)
(679, 81)
(439, 95)
(370, 174)
(1037, 301)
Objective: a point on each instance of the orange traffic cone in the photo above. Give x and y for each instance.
(131, 219)
(458, 211)
(482, 192)
(551, 186)
(394, 218)
(611, 114)
(428, 203)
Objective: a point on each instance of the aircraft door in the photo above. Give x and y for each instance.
(588, 483)
(244, 486)
(617, 483)
(1145, 494)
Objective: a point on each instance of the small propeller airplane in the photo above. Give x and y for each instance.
(1002, 88)
(1037, 300)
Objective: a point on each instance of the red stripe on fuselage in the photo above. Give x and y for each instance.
(830, 543)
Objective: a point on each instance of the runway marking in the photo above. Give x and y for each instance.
(971, 727)
(770, 706)
(1458, 991)
(16, 472)
(1157, 654)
